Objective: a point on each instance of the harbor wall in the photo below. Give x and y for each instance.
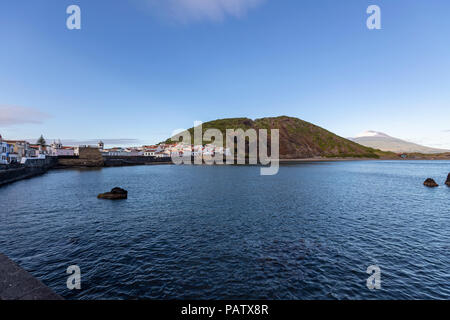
(120, 161)
(31, 168)
(87, 157)
(18, 284)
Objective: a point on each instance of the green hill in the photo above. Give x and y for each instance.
(298, 139)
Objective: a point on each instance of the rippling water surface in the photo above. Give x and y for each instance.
(190, 232)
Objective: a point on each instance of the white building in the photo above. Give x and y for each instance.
(150, 152)
(4, 151)
(7, 154)
(120, 152)
(165, 154)
(13, 158)
(57, 150)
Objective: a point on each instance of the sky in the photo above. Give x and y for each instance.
(140, 69)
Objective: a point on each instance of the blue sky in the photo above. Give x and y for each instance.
(139, 69)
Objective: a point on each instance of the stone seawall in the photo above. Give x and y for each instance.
(32, 168)
(118, 161)
(88, 157)
(18, 284)
(13, 175)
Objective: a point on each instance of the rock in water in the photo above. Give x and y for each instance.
(430, 183)
(448, 180)
(114, 194)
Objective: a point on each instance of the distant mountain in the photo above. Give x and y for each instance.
(382, 141)
(298, 139)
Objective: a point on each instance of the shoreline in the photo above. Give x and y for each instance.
(29, 173)
(358, 159)
(327, 160)
(14, 175)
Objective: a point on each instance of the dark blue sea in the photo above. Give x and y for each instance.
(225, 232)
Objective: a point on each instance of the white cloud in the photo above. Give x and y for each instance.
(198, 10)
(13, 115)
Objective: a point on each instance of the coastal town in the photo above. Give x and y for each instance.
(20, 151)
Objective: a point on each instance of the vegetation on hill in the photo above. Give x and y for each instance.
(298, 139)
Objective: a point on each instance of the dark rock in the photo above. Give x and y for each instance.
(448, 180)
(114, 194)
(430, 183)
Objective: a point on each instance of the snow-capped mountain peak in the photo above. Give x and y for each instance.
(384, 142)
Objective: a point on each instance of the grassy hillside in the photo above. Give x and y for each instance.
(299, 139)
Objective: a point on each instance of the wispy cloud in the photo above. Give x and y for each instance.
(200, 10)
(14, 115)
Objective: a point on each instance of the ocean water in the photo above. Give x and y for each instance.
(200, 232)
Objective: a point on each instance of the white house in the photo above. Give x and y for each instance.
(150, 152)
(6, 152)
(164, 154)
(13, 158)
(57, 150)
(120, 152)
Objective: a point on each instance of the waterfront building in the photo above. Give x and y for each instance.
(13, 158)
(20, 147)
(161, 155)
(80, 148)
(35, 150)
(167, 150)
(133, 152)
(122, 152)
(112, 152)
(5, 151)
(150, 152)
(56, 149)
